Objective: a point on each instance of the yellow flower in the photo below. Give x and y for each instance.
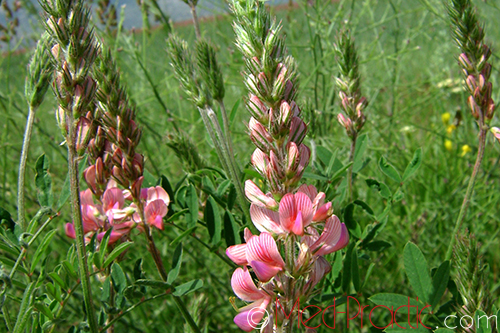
(445, 117)
(465, 149)
(450, 128)
(448, 144)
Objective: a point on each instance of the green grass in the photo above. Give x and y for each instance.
(410, 76)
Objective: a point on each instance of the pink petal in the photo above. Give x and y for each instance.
(252, 315)
(265, 219)
(256, 196)
(247, 234)
(157, 193)
(287, 211)
(244, 287)
(334, 237)
(323, 212)
(309, 190)
(238, 254)
(304, 205)
(86, 197)
(320, 269)
(69, 228)
(154, 213)
(298, 226)
(264, 271)
(260, 161)
(112, 198)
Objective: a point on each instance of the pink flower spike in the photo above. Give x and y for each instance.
(256, 196)
(251, 316)
(244, 287)
(154, 213)
(238, 254)
(265, 219)
(264, 257)
(69, 228)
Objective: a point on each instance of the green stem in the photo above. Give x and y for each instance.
(123, 313)
(21, 214)
(195, 22)
(161, 268)
(470, 190)
(231, 163)
(77, 221)
(351, 159)
(225, 123)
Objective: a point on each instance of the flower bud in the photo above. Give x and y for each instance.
(257, 108)
(464, 61)
(474, 107)
(260, 161)
(286, 114)
(90, 178)
(82, 135)
(259, 135)
(471, 83)
(298, 130)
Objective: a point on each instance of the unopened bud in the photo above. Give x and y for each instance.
(82, 135)
(298, 130)
(473, 107)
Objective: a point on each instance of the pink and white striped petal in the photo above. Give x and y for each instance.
(265, 219)
(244, 287)
(238, 254)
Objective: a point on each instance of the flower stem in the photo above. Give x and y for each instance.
(195, 22)
(161, 269)
(351, 159)
(22, 169)
(225, 123)
(231, 163)
(470, 189)
(77, 221)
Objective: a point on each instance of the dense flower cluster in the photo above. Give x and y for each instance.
(117, 211)
(297, 227)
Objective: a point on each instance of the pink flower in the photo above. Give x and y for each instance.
(251, 315)
(496, 132)
(263, 255)
(333, 238)
(156, 206)
(112, 203)
(321, 210)
(244, 287)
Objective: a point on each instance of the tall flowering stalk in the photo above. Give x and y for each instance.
(75, 50)
(297, 228)
(352, 102)
(469, 36)
(37, 82)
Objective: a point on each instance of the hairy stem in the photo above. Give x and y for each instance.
(225, 123)
(77, 221)
(470, 189)
(231, 163)
(21, 218)
(195, 22)
(351, 159)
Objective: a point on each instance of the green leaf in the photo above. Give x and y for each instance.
(176, 264)
(58, 280)
(24, 312)
(439, 283)
(188, 287)
(44, 309)
(413, 165)
(233, 112)
(231, 234)
(102, 249)
(383, 190)
(40, 250)
(355, 270)
(212, 217)
(182, 235)
(397, 300)
(118, 277)
(43, 182)
(115, 253)
(6, 218)
(482, 322)
(192, 204)
(349, 221)
(361, 145)
(389, 170)
(378, 246)
(417, 271)
(153, 284)
(346, 276)
(149, 179)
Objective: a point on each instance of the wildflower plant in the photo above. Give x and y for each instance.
(476, 68)
(297, 227)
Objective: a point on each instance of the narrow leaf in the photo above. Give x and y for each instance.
(188, 287)
(389, 170)
(231, 234)
(43, 181)
(413, 165)
(115, 253)
(192, 204)
(439, 283)
(212, 217)
(176, 264)
(40, 251)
